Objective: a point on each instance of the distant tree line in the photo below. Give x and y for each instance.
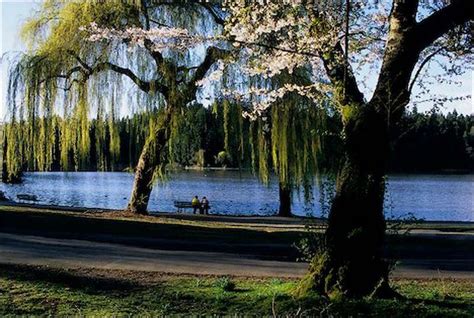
(434, 142)
(217, 136)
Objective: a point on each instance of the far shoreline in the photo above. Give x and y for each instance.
(249, 170)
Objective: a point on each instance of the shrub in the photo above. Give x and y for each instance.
(225, 283)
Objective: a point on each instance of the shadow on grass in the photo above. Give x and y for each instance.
(69, 279)
(447, 302)
(140, 293)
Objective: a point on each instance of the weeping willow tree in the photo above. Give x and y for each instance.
(288, 142)
(67, 74)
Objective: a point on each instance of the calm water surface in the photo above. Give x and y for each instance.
(431, 197)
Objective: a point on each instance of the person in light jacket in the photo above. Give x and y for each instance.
(204, 206)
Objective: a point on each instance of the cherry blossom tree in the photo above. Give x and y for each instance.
(343, 41)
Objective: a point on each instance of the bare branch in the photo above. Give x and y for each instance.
(143, 85)
(213, 54)
(418, 72)
(144, 10)
(81, 62)
(65, 76)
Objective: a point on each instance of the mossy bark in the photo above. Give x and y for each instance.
(9, 175)
(4, 159)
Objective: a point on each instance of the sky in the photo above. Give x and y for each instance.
(14, 12)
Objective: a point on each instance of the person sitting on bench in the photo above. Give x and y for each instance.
(195, 204)
(204, 206)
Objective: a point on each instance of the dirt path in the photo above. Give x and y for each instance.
(70, 253)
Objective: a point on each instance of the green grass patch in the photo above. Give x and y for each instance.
(26, 290)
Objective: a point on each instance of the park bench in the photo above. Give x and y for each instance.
(27, 197)
(183, 205)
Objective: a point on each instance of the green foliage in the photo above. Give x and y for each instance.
(55, 28)
(288, 142)
(56, 43)
(234, 133)
(187, 135)
(61, 58)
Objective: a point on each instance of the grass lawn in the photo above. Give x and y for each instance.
(27, 290)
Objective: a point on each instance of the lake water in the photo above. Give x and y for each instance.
(430, 197)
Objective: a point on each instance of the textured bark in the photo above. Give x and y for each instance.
(150, 159)
(142, 184)
(285, 201)
(351, 262)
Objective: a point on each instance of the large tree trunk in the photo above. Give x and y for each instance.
(351, 261)
(150, 159)
(285, 201)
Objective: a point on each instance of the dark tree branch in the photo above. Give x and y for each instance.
(157, 56)
(335, 62)
(80, 61)
(68, 88)
(146, 16)
(213, 54)
(143, 85)
(65, 76)
(442, 21)
(211, 10)
(406, 40)
(186, 69)
(87, 71)
(159, 23)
